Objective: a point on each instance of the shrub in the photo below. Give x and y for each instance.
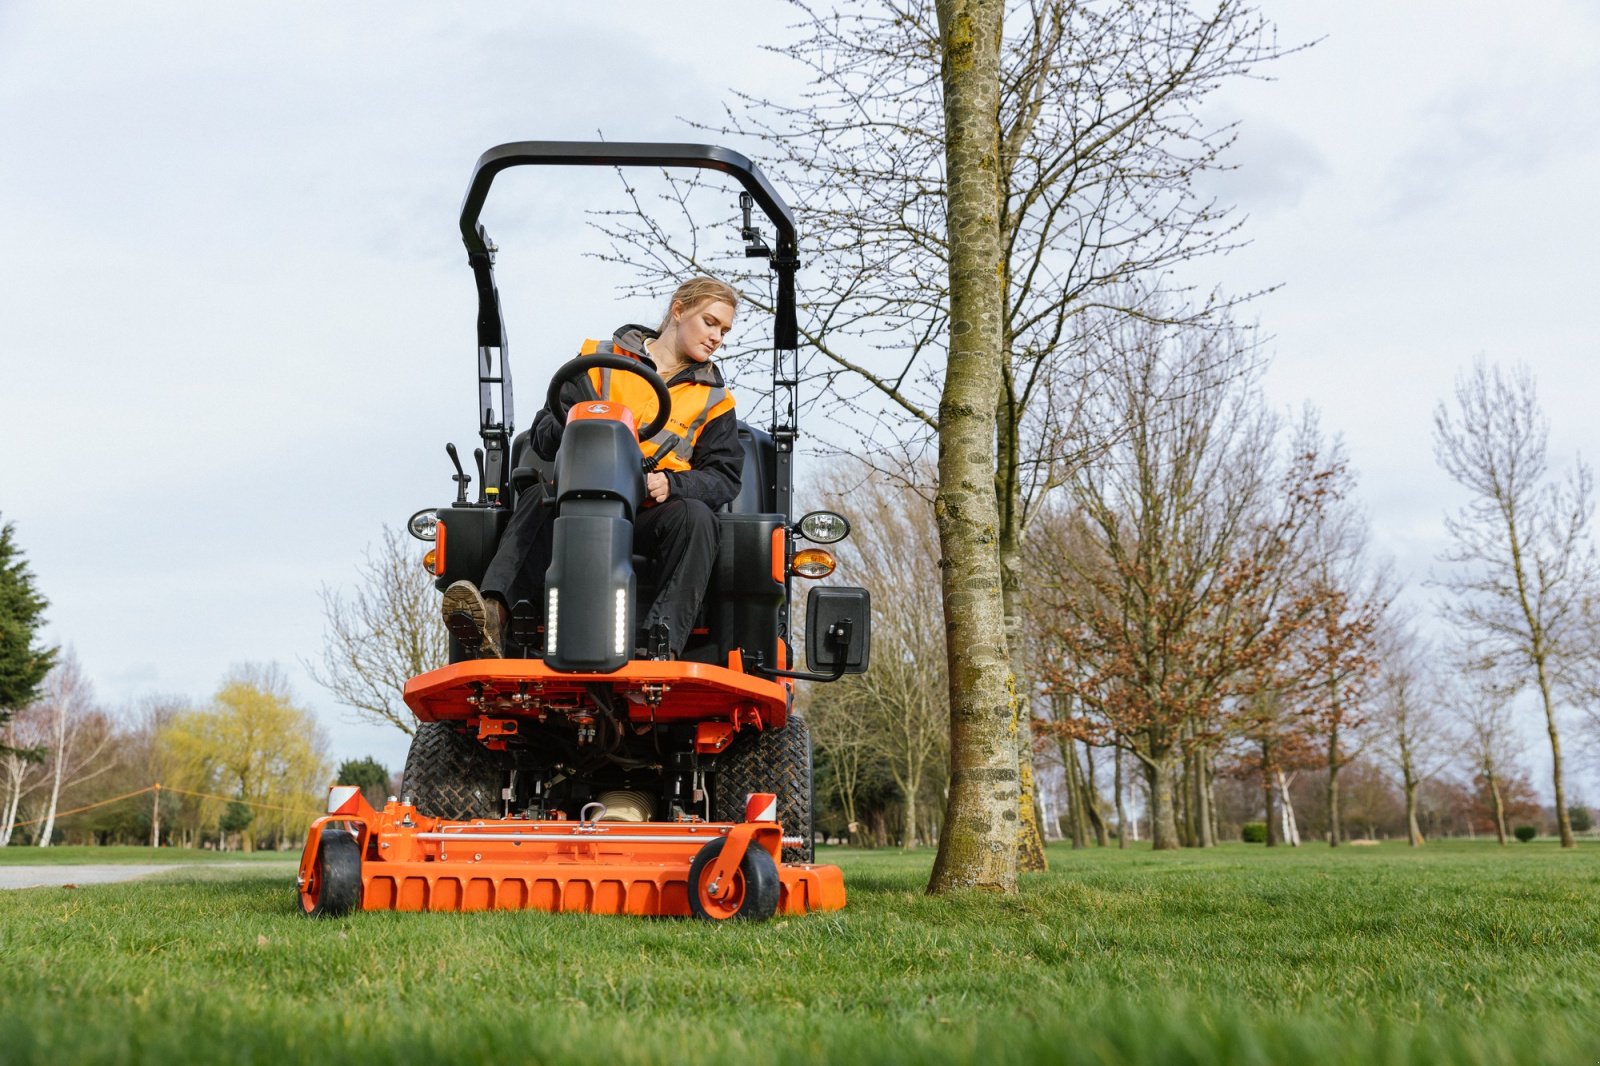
(1253, 832)
(1581, 818)
(1525, 833)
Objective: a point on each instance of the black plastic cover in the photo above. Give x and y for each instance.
(471, 535)
(831, 605)
(600, 460)
(591, 562)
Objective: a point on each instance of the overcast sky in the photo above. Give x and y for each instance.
(236, 321)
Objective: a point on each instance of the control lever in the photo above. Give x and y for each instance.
(483, 481)
(460, 477)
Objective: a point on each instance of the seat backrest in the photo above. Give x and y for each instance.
(757, 492)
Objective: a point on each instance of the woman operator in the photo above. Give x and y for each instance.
(698, 462)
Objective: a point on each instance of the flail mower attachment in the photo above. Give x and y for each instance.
(357, 858)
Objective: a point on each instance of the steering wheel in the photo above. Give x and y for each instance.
(575, 368)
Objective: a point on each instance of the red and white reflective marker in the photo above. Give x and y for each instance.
(761, 807)
(342, 799)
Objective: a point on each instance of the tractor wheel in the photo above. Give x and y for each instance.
(450, 775)
(770, 760)
(335, 886)
(753, 894)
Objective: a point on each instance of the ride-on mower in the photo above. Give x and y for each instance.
(586, 770)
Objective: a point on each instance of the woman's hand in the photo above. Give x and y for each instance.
(656, 486)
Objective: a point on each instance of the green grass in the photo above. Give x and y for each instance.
(1460, 952)
(59, 855)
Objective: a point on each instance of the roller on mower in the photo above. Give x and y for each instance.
(585, 771)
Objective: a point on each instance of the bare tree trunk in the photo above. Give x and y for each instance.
(1030, 826)
(1076, 821)
(1291, 830)
(8, 824)
(1563, 820)
(1030, 833)
(155, 818)
(1203, 799)
(1122, 810)
(1092, 802)
(1499, 810)
(1333, 786)
(1413, 830)
(979, 846)
(1163, 818)
(1183, 792)
(1266, 792)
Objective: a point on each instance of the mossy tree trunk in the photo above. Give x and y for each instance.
(978, 848)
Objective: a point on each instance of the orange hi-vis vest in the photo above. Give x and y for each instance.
(694, 403)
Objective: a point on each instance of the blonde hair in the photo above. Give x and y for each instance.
(696, 291)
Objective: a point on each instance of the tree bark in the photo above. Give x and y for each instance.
(1266, 792)
(1077, 824)
(1203, 798)
(1122, 810)
(1499, 810)
(1163, 818)
(1030, 833)
(1413, 830)
(1291, 829)
(1563, 819)
(1333, 786)
(978, 848)
(1092, 800)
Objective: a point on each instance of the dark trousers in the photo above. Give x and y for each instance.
(678, 538)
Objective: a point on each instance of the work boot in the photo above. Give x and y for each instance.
(473, 621)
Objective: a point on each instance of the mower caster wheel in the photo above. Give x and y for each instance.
(335, 886)
(753, 894)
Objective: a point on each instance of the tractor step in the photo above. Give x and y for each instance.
(357, 858)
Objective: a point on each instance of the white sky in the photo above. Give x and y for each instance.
(236, 324)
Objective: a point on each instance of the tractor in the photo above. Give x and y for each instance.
(582, 772)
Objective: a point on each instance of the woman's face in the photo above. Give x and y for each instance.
(701, 331)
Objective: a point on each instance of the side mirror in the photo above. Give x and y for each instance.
(838, 630)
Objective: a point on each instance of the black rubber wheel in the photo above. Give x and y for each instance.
(576, 368)
(776, 761)
(753, 895)
(450, 775)
(335, 886)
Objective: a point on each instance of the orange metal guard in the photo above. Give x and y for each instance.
(405, 861)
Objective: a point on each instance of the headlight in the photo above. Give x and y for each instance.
(824, 527)
(421, 525)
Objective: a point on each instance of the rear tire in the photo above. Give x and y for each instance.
(450, 775)
(770, 760)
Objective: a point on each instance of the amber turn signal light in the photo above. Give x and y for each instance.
(812, 562)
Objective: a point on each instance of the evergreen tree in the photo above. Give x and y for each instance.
(23, 660)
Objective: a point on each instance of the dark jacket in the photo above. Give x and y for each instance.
(717, 463)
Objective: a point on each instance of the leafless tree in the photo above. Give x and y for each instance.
(1359, 590)
(901, 704)
(386, 632)
(1523, 565)
(78, 736)
(1491, 744)
(1176, 580)
(23, 741)
(1416, 739)
(1101, 138)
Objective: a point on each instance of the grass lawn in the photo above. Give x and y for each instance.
(1460, 952)
(58, 855)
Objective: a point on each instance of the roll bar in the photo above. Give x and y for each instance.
(783, 259)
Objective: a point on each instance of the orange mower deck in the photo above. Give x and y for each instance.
(397, 859)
